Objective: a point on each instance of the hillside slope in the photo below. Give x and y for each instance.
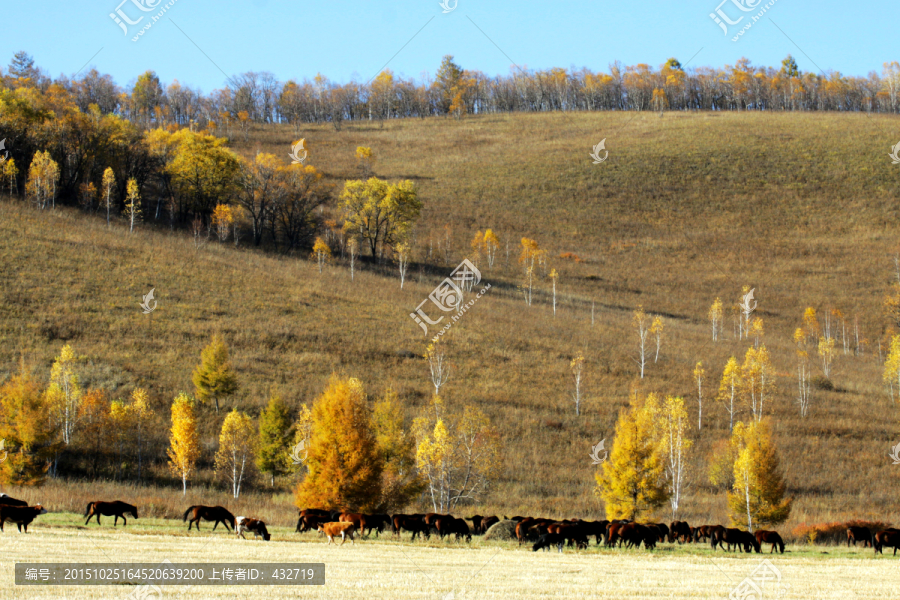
(688, 207)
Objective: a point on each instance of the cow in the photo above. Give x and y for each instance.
(115, 509)
(343, 529)
(255, 526)
(357, 519)
(889, 537)
(10, 501)
(680, 531)
(770, 537)
(549, 539)
(859, 534)
(209, 513)
(411, 523)
(20, 515)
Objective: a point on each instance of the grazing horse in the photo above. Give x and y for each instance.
(310, 522)
(595, 528)
(255, 526)
(10, 501)
(115, 509)
(209, 513)
(612, 533)
(20, 515)
(377, 523)
(632, 534)
(889, 537)
(449, 525)
(735, 539)
(770, 537)
(412, 523)
(859, 534)
(488, 522)
(549, 539)
(680, 532)
(715, 534)
(703, 532)
(357, 519)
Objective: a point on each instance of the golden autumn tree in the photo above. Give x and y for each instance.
(184, 440)
(214, 377)
(141, 420)
(891, 373)
(222, 218)
(632, 481)
(366, 159)
(378, 212)
(64, 393)
(109, 184)
(237, 446)
(675, 446)
(491, 244)
(757, 497)
(132, 204)
(43, 178)
(729, 389)
(344, 464)
(642, 324)
(757, 380)
(396, 445)
(716, 318)
(9, 175)
(322, 252)
(531, 257)
(29, 437)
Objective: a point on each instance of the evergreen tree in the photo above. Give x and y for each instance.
(214, 377)
(272, 456)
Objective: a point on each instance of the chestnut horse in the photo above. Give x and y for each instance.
(209, 513)
(770, 537)
(859, 534)
(889, 537)
(110, 509)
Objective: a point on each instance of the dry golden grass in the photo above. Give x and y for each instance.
(687, 208)
(381, 569)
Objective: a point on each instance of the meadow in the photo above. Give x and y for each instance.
(688, 207)
(434, 570)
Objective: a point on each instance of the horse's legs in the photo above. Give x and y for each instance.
(214, 526)
(124, 522)
(116, 520)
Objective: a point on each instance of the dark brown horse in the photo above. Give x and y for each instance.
(357, 519)
(715, 533)
(412, 523)
(770, 537)
(209, 513)
(680, 532)
(377, 523)
(859, 534)
(889, 537)
(735, 539)
(115, 509)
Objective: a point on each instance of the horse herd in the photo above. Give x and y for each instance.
(544, 533)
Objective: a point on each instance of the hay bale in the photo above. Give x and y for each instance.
(503, 531)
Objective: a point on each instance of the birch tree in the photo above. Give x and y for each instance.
(554, 276)
(403, 252)
(675, 446)
(237, 445)
(132, 204)
(438, 364)
(577, 368)
(321, 251)
(656, 330)
(757, 380)
(491, 245)
(729, 389)
(891, 374)
(827, 354)
(64, 392)
(184, 440)
(699, 376)
(716, 314)
(803, 371)
(641, 322)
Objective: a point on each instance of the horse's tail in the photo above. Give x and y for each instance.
(87, 510)
(184, 518)
(712, 537)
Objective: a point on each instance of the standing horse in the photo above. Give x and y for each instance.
(770, 537)
(110, 509)
(209, 513)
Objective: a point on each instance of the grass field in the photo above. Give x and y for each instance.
(691, 206)
(490, 570)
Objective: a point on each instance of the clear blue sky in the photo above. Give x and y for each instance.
(347, 40)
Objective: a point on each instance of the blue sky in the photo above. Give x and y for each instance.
(346, 40)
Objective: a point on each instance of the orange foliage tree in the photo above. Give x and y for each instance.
(344, 464)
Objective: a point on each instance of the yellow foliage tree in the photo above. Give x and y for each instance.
(322, 251)
(716, 318)
(64, 393)
(401, 483)
(891, 373)
(344, 464)
(366, 159)
(237, 446)
(184, 441)
(757, 497)
(632, 482)
(676, 446)
(380, 212)
(43, 177)
(109, 183)
(132, 204)
(29, 437)
(10, 172)
(757, 380)
(491, 244)
(729, 389)
(141, 416)
(222, 218)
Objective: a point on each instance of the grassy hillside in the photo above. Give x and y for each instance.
(803, 207)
